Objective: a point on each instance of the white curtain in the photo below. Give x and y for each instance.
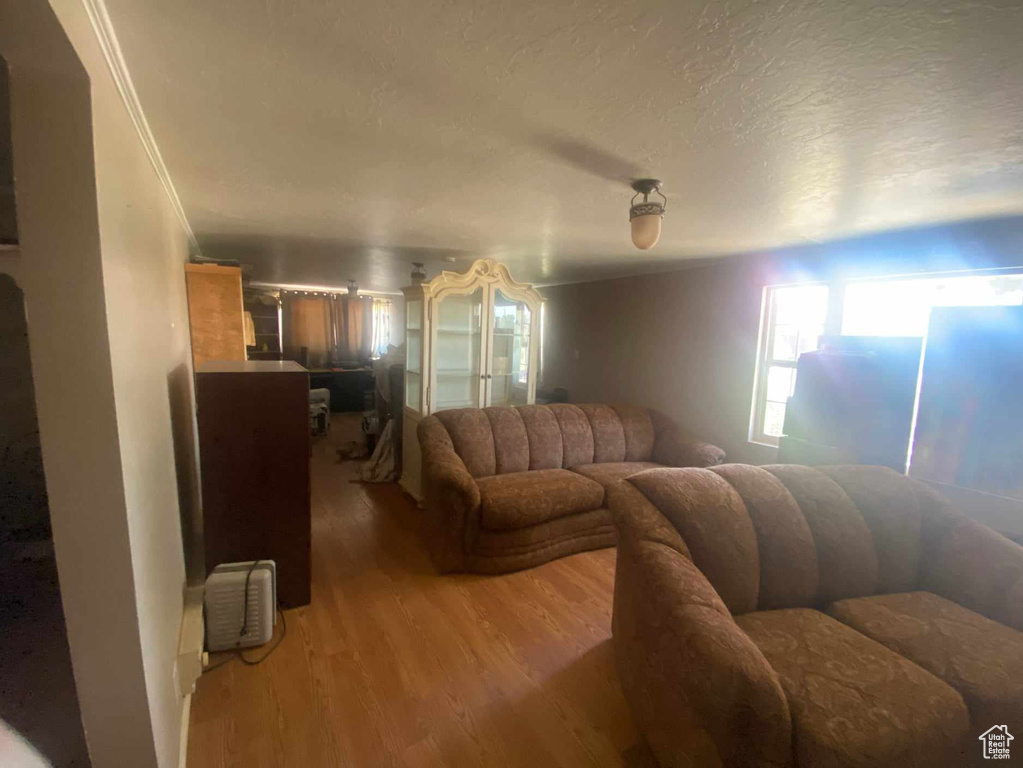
(381, 326)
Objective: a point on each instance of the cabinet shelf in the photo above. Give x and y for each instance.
(446, 405)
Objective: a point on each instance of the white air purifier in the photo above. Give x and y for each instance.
(241, 605)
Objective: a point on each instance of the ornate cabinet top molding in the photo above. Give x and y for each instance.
(481, 271)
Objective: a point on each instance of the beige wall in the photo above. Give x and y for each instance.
(101, 261)
(685, 342)
(8, 224)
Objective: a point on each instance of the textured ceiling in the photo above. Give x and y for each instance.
(322, 140)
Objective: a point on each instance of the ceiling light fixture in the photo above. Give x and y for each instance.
(645, 217)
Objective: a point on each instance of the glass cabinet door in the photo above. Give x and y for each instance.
(457, 352)
(414, 354)
(509, 352)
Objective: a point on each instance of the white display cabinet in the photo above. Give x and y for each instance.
(472, 339)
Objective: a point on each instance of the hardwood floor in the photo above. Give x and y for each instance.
(393, 664)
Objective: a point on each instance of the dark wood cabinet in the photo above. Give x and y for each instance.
(253, 422)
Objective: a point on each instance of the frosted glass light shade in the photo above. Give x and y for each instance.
(646, 230)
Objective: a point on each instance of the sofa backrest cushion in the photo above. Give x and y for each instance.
(511, 443)
(608, 434)
(788, 557)
(645, 521)
(576, 434)
(846, 560)
(504, 439)
(712, 520)
(812, 535)
(546, 447)
(896, 537)
(638, 428)
(473, 438)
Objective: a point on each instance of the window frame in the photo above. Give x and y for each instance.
(765, 359)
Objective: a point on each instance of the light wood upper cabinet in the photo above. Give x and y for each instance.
(472, 340)
(215, 313)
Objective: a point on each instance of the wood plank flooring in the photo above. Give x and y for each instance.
(393, 664)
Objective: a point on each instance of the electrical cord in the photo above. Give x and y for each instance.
(261, 659)
(240, 656)
(245, 606)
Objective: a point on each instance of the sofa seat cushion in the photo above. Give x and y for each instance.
(609, 473)
(854, 702)
(980, 658)
(521, 499)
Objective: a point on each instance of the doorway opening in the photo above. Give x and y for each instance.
(39, 709)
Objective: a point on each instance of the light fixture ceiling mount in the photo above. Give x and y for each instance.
(645, 217)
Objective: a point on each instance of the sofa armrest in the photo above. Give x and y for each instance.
(451, 497)
(698, 687)
(674, 447)
(969, 563)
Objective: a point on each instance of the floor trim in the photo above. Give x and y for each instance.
(186, 715)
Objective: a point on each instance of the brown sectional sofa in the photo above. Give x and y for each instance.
(512, 487)
(797, 616)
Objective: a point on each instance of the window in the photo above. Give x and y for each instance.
(543, 330)
(903, 307)
(522, 376)
(796, 315)
(381, 327)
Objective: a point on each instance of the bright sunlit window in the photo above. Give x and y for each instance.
(543, 330)
(795, 316)
(794, 322)
(523, 361)
(513, 320)
(903, 307)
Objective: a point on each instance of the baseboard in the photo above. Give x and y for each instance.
(412, 489)
(191, 641)
(186, 715)
(188, 667)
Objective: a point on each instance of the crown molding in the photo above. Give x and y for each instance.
(107, 39)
